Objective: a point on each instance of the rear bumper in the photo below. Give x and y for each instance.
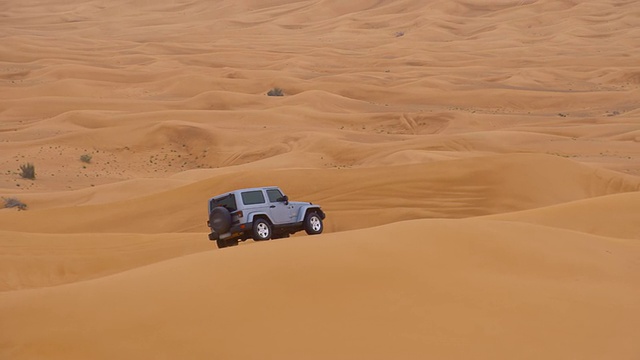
(240, 231)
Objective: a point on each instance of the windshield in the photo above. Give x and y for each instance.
(228, 202)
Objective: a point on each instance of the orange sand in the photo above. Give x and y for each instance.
(478, 161)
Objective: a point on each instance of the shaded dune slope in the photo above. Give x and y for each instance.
(614, 216)
(39, 260)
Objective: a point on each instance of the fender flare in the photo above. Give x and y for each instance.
(305, 209)
(251, 216)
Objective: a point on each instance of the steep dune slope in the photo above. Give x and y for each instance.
(442, 288)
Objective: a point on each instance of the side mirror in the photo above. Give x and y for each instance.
(284, 199)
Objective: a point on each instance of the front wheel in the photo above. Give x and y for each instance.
(261, 230)
(313, 224)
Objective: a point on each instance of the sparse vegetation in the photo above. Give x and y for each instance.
(28, 171)
(85, 158)
(275, 92)
(14, 203)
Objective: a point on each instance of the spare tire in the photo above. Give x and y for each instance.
(220, 220)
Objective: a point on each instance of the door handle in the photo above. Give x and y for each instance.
(272, 206)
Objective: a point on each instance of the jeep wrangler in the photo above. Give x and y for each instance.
(260, 214)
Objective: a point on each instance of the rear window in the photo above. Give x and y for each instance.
(228, 202)
(253, 197)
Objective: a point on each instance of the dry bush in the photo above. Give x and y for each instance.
(14, 203)
(85, 158)
(28, 171)
(276, 92)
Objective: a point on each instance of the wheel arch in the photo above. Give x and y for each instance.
(308, 209)
(253, 216)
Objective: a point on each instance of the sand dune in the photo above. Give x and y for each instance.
(411, 289)
(478, 162)
(367, 196)
(613, 215)
(37, 260)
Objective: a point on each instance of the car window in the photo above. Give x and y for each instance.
(253, 197)
(274, 195)
(228, 202)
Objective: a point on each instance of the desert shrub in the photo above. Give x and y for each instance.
(13, 202)
(86, 158)
(275, 92)
(28, 171)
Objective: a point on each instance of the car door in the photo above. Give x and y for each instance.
(279, 212)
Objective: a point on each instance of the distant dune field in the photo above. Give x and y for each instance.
(478, 161)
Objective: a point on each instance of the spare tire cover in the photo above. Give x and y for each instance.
(220, 220)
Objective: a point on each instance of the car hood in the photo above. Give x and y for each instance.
(299, 203)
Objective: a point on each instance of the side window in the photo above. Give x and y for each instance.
(274, 195)
(253, 197)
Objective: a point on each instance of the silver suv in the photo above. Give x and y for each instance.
(260, 214)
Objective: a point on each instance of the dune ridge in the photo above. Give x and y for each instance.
(445, 189)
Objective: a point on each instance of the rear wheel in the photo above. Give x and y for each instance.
(313, 224)
(261, 230)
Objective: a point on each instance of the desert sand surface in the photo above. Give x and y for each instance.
(478, 161)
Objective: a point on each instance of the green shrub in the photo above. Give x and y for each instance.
(28, 171)
(275, 92)
(13, 202)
